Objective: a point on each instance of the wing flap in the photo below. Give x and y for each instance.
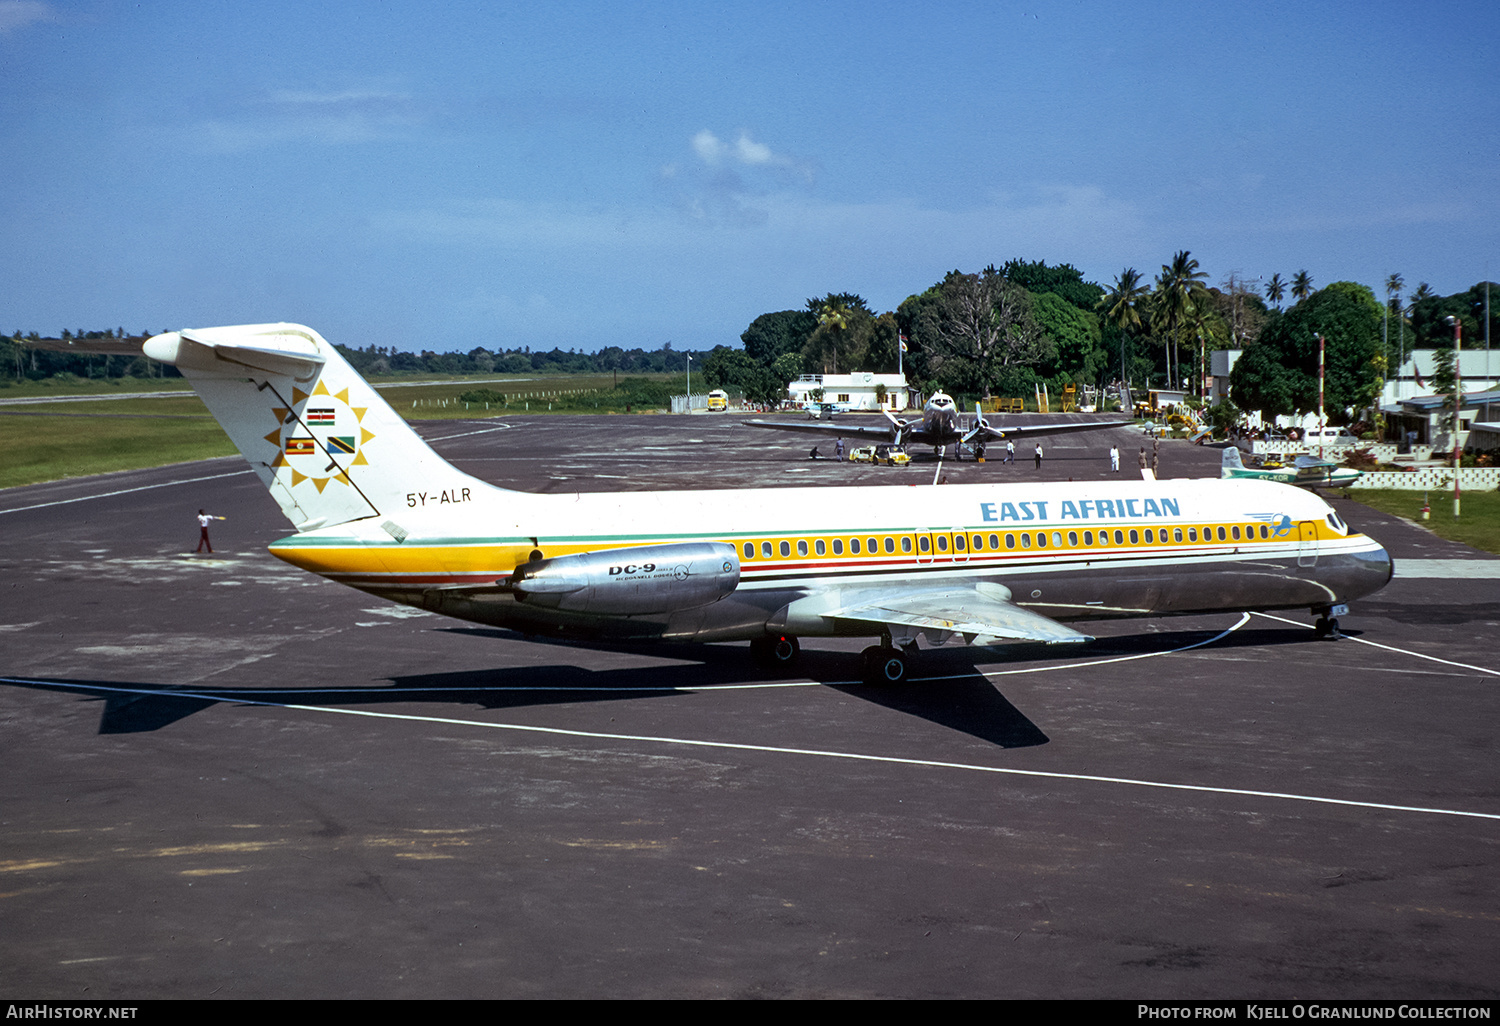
(978, 612)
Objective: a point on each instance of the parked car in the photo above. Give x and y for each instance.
(864, 454)
(892, 455)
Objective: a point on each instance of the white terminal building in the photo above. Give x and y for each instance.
(859, 391)
(1411, 408)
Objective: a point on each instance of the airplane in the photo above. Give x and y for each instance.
(1306, 471)
(939, 427)
(375, 508)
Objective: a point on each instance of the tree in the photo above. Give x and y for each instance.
(1179, 291)
(1393, 286)
(1063, 280)
(1121, 307)
(1279, 373)
(1301, 286)
(974, 332)
(1276, 290)
(773, 335)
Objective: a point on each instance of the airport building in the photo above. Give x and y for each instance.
(862, 390)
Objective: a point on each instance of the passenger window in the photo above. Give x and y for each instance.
(749, 550)
(1221, 534)
(905, 542)
(890, 544)
(1134, 537)
(1010, 541)
(1150, 537)
(765, 549)
(1041, 539)
(979, 543)
(802, 548)
(1265, 532)
(1192, 534)
(1177, 534)
(1025, 541)
(1072, 538)
(922, 543)
(875, 545)
(1119, 537)
(818, 547)
(854, 546)
(838, 546)
(1234, 532)
(942, 542)
(1088, 537)
(995, 542)
(786, 549)
(958, 543)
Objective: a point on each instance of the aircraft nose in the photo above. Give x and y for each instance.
(1375, 570)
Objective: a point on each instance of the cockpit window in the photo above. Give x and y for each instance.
(1337, 524)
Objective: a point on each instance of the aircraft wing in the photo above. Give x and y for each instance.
(883, 433)
(1027, 430)
(982, 613)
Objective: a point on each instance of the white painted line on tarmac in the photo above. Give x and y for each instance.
(127, 491)
(771, 749)
(1463, 569)
(1390, 648)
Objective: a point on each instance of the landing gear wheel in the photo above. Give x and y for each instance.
(883, 665)
(775, 653)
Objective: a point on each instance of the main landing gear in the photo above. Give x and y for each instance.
(884, 664)
(778, 652)
(879, 664)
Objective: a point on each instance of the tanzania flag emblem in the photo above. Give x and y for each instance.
(322, 416)
(301, 447)
(340, 443)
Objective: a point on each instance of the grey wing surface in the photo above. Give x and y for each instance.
(982, 613)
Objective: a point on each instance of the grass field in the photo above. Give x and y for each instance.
(1478, 526)
(46, 441)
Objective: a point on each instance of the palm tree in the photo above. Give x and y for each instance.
(1121, 307)
(1179, 290)
(1301, 286)
(1276, 290)
(835, 317)
(1393, 287)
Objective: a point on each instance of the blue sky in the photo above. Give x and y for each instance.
(445, 175)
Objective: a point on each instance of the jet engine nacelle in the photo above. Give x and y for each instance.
(645, 579)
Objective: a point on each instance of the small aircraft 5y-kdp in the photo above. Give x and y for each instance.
(1306, 471)
(375, 508)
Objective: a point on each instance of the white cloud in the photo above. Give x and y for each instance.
(331, 118)
(17, 14)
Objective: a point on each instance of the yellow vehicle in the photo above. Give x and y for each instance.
(864, 454)
(892, 455)
(718, 401)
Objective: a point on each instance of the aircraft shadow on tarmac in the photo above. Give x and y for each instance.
(949, 690)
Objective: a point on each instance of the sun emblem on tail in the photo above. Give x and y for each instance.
(319, 437)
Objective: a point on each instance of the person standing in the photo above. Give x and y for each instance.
(1039, 455)
(1010, 451)
(1143, 457)
(838, 450)
(203, 521)
(1114, 458)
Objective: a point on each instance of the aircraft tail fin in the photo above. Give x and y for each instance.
(1231, 459)
(324, 442)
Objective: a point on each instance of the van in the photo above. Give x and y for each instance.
(718, 401)
(1328, 436)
